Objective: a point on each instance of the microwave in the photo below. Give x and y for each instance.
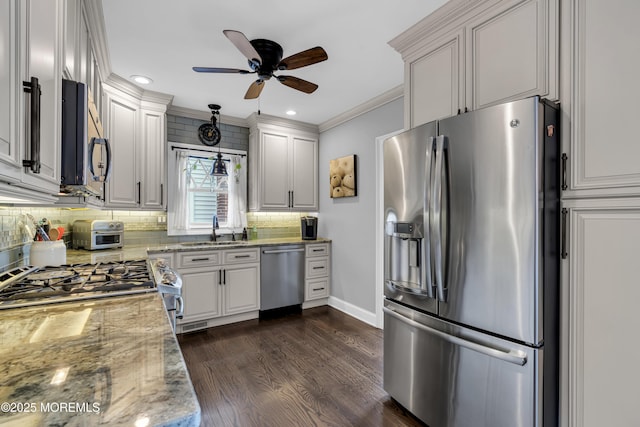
(86, 155)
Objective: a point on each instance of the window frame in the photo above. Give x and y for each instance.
(193, 151)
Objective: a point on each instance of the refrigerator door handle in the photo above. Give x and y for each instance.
(437, 229)
(512, 356)
(426, 258)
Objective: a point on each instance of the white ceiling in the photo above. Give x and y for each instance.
(163, 39)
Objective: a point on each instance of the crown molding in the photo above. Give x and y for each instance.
(256, 119)
(206, 115)
(125, 86)
(384, 98)
(415, 36)
(95, 22)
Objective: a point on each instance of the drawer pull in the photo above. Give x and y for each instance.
(199, 259)
(318, 268)
(318, 289)
(242, 256)
(317, 250)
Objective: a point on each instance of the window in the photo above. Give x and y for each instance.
(196, 196)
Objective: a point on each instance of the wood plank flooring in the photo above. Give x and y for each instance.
(318, 368)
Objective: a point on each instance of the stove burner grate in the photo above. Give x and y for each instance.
(78, 281)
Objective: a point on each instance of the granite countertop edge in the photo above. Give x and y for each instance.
(157, 375)
(141, 251)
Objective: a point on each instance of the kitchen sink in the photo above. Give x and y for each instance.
(207, 244)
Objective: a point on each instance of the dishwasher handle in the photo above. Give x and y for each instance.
(282, 251)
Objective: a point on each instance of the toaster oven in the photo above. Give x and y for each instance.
(97, 234)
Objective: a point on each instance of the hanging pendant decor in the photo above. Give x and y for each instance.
(209, 133)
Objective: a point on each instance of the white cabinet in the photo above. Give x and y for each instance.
(10, 91)
(317, 266)
(283, 166)
(31, 47)
(600, 94)
(599, 69)
(601, 312)
(436, 80)
(219, 287)
(464, 58)
(136, 130)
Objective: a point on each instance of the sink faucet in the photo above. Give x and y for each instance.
(213, 229)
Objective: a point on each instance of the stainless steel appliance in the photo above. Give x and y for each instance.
(29, 285)
(281, 277)
(471, 208)
(86, 155)
(97, 234)
(169, 284)
(309, 227)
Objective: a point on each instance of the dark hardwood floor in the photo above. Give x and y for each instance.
(319, 368)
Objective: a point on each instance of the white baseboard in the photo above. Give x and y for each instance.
(353, 311)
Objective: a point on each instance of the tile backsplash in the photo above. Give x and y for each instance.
(141, 227)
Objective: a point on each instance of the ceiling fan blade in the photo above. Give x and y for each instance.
(221, 70)
(242, 43)
(254, 90)
(304, 58)
(299, 84)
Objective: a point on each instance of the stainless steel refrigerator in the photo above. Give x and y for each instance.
(472, 223)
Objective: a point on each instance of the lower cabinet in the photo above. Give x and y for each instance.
(218, 287)
(317, 264)
(601, 321)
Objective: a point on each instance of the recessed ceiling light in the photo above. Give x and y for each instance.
(291, 113)
(142, 79)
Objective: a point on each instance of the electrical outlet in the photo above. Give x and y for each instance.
(162, 220)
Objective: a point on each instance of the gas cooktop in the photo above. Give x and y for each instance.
(27, 286)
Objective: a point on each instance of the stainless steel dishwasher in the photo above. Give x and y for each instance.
(281, 276)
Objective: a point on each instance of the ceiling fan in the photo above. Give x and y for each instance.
(265, 57)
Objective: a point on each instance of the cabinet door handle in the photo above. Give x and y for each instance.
(292, 198)
(224, 277)
(220, 278)
(161, 195)
(563, 249)
(32, 87)
(564, 171)
(139, 192)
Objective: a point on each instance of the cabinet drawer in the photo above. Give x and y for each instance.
(317, 267)
(317, 249)
(199, 258)
(241, 256)
(317, 288)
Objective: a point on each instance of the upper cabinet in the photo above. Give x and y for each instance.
(473, 54)
(30, 75)
(600, 67)
(135, 124)
(283, 165)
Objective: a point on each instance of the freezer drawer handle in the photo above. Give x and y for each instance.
(513, 356)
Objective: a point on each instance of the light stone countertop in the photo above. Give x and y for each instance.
(110, 361)
(131, 252)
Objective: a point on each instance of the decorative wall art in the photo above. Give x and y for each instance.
(342, 177)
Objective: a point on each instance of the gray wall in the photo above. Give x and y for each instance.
(185, 130)
(350, 222)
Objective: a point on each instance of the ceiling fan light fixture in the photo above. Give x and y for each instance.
(143, 80)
